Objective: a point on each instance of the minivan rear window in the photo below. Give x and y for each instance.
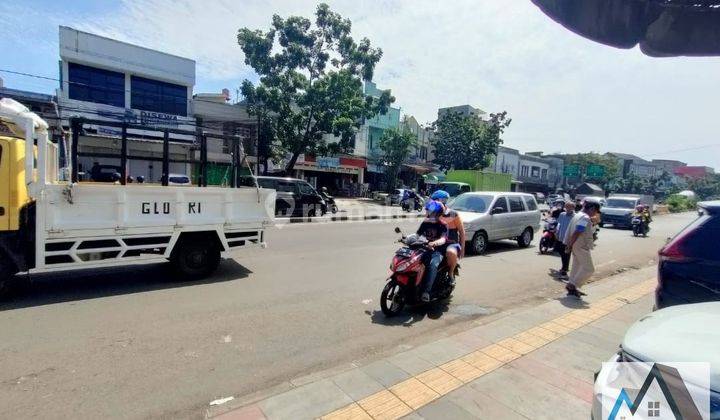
(530, 203)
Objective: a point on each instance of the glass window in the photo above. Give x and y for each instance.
(157, 96)
(524, 170)
(286, 186)
(306, 189)
(535, 172)
(516, 204)
(502, 203)
(620, 203)
(544, 173)
(530, 203)
(100, 86)
(472, 202)
(270, 184)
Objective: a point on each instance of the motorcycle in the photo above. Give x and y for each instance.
(404, 286)
(547, 242)
(417, 204)
(329, 202)
(639, 227)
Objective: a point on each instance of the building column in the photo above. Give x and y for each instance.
(361, 175)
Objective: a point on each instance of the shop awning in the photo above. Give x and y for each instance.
(418, 169)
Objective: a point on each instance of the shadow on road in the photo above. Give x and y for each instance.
(497, 248)
(412, 314)
(48, 288)
(572, 302)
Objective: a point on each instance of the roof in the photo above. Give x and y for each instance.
(591, 186)
(628, 156)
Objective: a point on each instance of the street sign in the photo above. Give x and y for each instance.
(571, 171)
(595, 171)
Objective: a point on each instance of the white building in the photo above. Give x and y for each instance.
(635, 165)
(105, 79)
(507, 161)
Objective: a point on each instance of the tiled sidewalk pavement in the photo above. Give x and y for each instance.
(538, 363)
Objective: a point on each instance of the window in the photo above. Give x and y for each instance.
(285, 186)
(306, 189)
(157, 96)
(544, 174)
(530, 203)
(100, 86)
(524, 170)
(502, 203)
(516, 204)
(472, 202)
(535, 172)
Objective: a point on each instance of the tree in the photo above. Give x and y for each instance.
(467, 142)
(396, 146)
(705, 187)
(310, 82)
(583, 160)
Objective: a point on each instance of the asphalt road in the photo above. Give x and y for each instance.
(132, 343)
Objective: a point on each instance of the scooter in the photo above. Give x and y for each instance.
(639, 227)
(547, 242)
(404, 286)
(329, 202)
(416, 203)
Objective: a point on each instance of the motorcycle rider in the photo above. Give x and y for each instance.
(642, 212)
(435, 231)
(409, 198)
(456, 233)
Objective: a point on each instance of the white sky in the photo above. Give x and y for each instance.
(564, 93)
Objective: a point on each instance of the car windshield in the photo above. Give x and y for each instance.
(472, 203)
(621, 203)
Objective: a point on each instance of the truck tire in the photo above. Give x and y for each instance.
(195, 259)
(7, 273)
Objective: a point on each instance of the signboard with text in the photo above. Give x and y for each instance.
(595, 171)
(571, 171)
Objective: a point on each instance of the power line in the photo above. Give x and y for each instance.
(707, 146)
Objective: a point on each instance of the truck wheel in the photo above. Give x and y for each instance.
(7, 272)
(195, 259)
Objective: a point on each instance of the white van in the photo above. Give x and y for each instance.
(492, 216)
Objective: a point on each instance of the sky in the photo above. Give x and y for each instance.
(564, 93)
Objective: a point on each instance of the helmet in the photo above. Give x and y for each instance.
(440, 195)
(639, 207)
(559, 202)
(433, 208)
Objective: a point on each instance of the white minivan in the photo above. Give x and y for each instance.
(492, 216)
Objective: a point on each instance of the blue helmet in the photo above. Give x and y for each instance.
(433, 208)
(440, 195)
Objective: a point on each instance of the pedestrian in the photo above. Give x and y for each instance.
(563, 221)
(580, 242)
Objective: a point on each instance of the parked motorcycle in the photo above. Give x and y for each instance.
(548, 239)
(639, 227)
(404, 285)
(416, 204)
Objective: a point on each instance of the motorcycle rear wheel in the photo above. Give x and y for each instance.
(392, 294)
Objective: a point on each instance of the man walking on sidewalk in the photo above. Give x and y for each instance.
(580, 242)
(564, 220)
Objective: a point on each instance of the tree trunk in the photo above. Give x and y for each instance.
(289, 167)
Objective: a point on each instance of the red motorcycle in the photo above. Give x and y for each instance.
(548, 239)
(404, 285)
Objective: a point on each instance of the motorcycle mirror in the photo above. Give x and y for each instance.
(397, 229)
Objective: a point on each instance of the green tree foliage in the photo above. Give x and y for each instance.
(678, 203)
(706, 187)
(310, 82)
(466, 142)
(396, 146)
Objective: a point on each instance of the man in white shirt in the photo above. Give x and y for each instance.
(579, 243)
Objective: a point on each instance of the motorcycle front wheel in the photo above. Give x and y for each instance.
(392, 299)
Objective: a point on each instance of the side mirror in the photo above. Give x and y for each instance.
(497, 210)
(397, 230)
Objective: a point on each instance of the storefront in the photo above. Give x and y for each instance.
(342, 175)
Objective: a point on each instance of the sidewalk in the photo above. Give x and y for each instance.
(535, 363)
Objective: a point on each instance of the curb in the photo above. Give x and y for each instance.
(294, 220)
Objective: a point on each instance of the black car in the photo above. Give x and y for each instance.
(295, 197)
(689, 265)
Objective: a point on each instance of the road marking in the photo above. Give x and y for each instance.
(403, 398)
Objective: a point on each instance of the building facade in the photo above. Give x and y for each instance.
(464, 110)
(108, 80)
(634, 165)
(666, 165)
(533, 174)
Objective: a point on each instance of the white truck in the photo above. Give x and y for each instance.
(50, 225)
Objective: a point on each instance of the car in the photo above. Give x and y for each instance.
(454, 188)
(396, 196)
(540, 197)
(689, 264)
(295, 197)
(618, 209)
(682, 333)
(179, 179)
(493, 216)
(104, 173)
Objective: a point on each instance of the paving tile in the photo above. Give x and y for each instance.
(439, 380)
(529, 396)
(566, 355)
(611, 325)
(357, 384)
(442, 351)
(479, 405)
(555, 377)
(252, 412)
(350, 412)
(555, 327)
(444, 409)
(410, 362)
(414, 393)
(472, 338)
(385, 372)
(501, 328)
(601, 339)
(462, 370)
(384, 405)
(516, 345)
(482, 361)
(500, 353)
(306, 402)
(531, 339)
(544, 333)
